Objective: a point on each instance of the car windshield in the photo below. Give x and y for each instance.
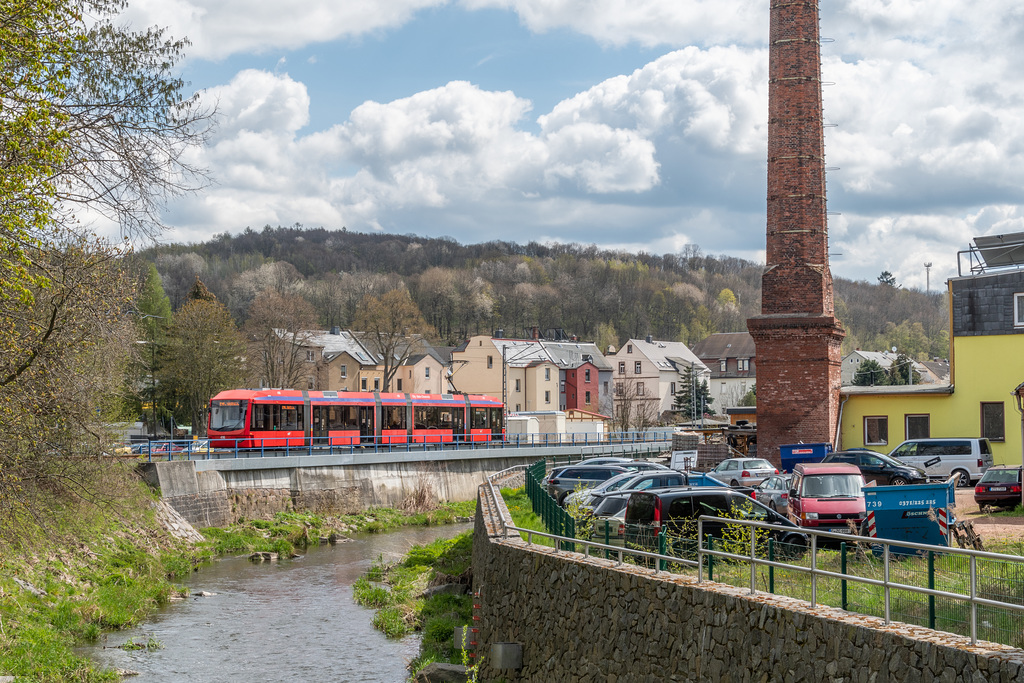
(616, 482)
(1001, 477)
(833, 486)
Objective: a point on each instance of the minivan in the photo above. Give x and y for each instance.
(967, 458)
(827, 496)
(564, 480)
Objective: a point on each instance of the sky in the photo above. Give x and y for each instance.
(638, 125)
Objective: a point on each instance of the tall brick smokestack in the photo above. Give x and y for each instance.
(797, 336)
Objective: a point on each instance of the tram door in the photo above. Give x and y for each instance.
(319, 427)
(366, 432)
(459, 424)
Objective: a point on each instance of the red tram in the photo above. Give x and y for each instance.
(251, 418)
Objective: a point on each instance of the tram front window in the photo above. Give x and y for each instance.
(227, 416)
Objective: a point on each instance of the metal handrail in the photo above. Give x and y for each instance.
(154, 450)
(885, 583)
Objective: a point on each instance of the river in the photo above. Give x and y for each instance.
(288, 621)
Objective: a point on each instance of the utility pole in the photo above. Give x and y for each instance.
(927, 278)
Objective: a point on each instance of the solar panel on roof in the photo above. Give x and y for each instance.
(1001, 250)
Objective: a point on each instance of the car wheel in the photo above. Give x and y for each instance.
(561, 499)
(734, 483)
(771, 505)
(897, 481)
(963, 479)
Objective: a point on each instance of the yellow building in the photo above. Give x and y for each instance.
(986, 366)
(486, 365)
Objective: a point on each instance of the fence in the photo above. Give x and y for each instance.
(968, 592)
(272, 447)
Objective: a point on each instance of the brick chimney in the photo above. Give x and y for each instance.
(797, 335)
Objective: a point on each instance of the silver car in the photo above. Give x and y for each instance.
(774, 492)
(743, 471)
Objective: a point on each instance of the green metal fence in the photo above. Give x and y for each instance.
(556, 520)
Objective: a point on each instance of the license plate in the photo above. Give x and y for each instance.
(998, 488)
(841, 530)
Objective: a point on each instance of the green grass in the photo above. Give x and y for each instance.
(1015, 512)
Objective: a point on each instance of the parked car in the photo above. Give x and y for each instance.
(644, 479)
(999, 487)
(604, 460)
(967, 458)
(564, 480)
(881, 469)
(743, 471)
(774, 492)
(611, 530)
(827, 496)
(678, 510)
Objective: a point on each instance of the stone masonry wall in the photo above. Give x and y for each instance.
(586, 619)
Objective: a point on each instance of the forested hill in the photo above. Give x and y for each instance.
(595, 294)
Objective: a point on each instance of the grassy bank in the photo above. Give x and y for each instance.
(395, 590)
(110, 569)
(103, 572)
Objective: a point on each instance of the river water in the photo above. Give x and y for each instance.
(288, 621)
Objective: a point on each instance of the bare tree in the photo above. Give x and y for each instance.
(279, 328)
(635, 407)
(393, 326)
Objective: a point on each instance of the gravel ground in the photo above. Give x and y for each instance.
(989, 527)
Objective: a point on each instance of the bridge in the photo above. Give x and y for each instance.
(216, 487)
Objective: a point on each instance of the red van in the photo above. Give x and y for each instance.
(827, 496)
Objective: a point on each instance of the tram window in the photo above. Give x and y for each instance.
(426, 417)
(275, 417)
(394, 417)
(291, 418)
(479, 418)
(495, 418)
(341, 417)
(445, 418)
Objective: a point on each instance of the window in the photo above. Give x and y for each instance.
(561, 387)
(672, 388)
(918, 426)
(518, 407)
(310, 356)
(547, 374)
(876, 431)
(743, 365)
(490, 362)
(629, 348)
(363, 383)
(638, 367)
(992, 424)
(1018, 310)
(344, 371)
(517, 386)
(410, 373)
(586, 375)
(426, 372)
(723, 365)
(639, 388)
(310, 382)
(399, 385)
(547, 397)
(588, 398)
(622, 367)
(376, 383)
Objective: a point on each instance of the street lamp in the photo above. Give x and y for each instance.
(1018, 397)
(152, 384)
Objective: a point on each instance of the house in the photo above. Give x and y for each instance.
(648, 374)
(986, 364)
(928, 373)
(533, 374)
(730, 358)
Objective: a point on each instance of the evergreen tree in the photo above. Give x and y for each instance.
(870, 373)
(899, 371)
(693, 398)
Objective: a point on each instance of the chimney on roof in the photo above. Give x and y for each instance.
(500, 334)
(335, 330)
(535, 332)
(650, 339)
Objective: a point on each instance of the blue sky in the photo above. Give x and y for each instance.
(633, 124)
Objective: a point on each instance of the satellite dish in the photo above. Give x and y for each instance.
(894, 349)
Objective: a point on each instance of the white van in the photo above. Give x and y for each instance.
(941, 458)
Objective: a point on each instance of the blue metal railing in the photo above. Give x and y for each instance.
(192, 449)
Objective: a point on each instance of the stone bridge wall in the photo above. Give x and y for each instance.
(582, 619)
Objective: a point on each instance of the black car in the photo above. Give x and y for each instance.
(881, 469)
(677, 511)
(564, 480)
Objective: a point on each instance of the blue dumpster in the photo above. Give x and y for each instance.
(792, 455)
(921, 513)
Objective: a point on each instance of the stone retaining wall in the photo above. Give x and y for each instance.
(585, 619)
